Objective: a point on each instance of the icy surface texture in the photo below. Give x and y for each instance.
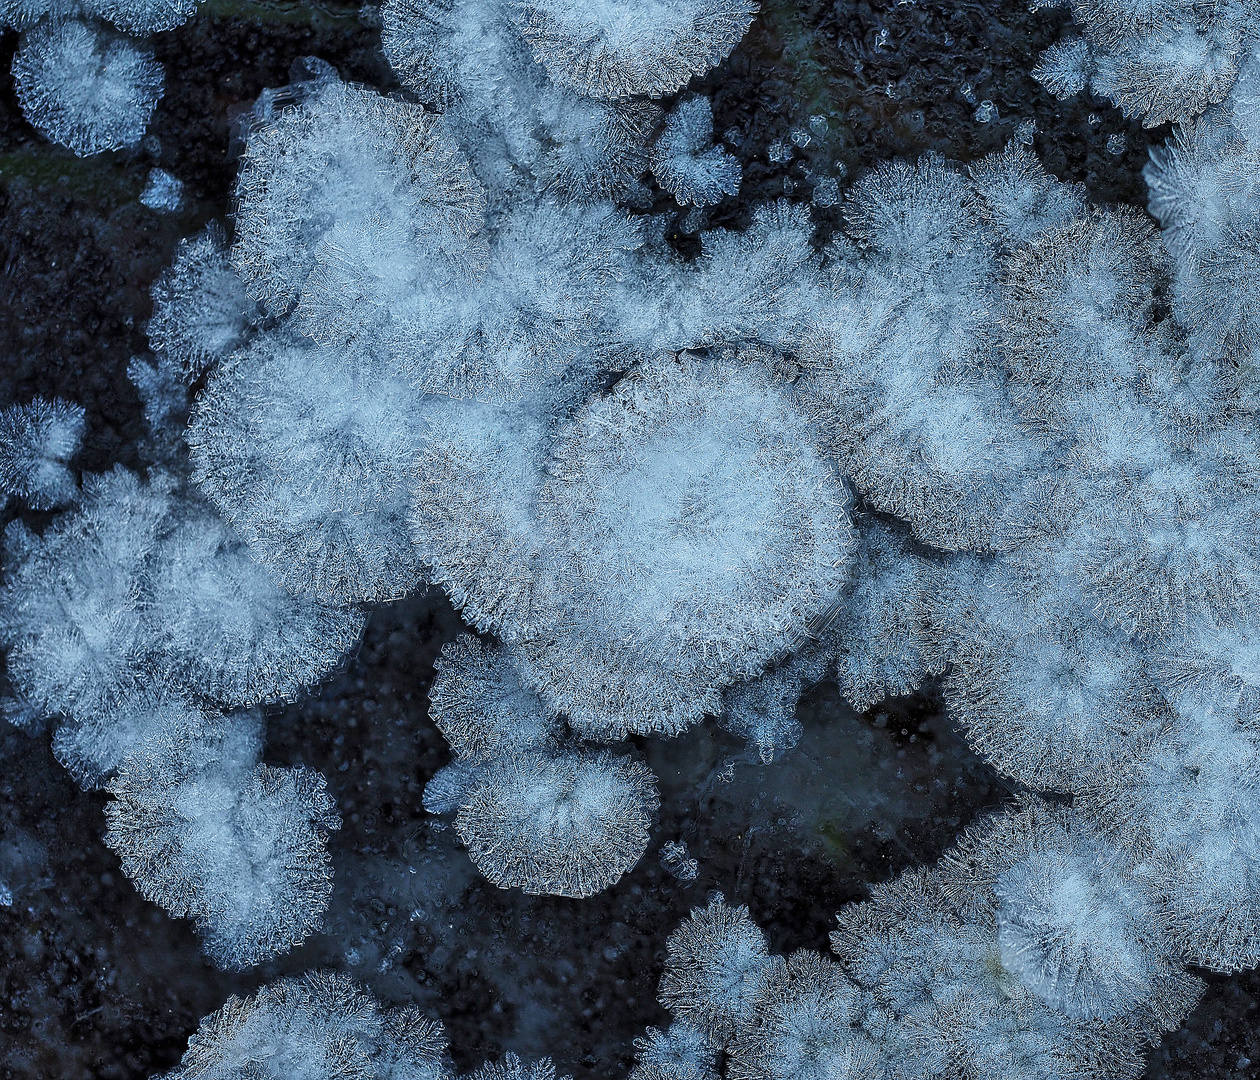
(162, 192)
(346, 165)
(555, 97)
(535, 810)
(319, 494)
(135, 17)
(877, 639)
(986, 432)
(763, 710)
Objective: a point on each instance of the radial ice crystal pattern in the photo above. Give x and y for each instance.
(85, 86)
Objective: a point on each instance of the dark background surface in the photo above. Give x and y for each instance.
(95, 982)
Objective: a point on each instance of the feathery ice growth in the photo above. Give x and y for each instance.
(988, 432)
(83, 74)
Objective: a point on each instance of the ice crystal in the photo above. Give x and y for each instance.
(142, 582)
(36, 441)
(681, 1052)
(319, 1026)
(1160, 61)
(803, 1025)
(568, 824)
(85, 86)
(480, 706)
(692, 500)
(713, 969)
(614, 48)
(684, 161)
(201, 312)
(1075, 919)
(880, 642)
(320, 493)
(344, 163)
(239, 847)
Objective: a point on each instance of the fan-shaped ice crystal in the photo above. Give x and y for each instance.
(86, 87)
(568, 824)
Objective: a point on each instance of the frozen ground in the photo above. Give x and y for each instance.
(97, 983)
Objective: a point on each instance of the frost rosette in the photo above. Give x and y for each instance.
(86, 87)
(618, 48)
(696, 531)
(566, 825)
(356, 181)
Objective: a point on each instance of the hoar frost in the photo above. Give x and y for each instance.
(440, 347)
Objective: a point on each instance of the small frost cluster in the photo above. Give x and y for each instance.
(201, 311)
(607, 51)
(321, 1026)
(81, 77)
(209, 834)
(324, 1026)
(770, 1017)
(555, 97)
(36, 441)
(535, 810)
(132, 621)
(686, 163)
(1202, 186)
(86, 86)
(1161, 60)
(140, 591)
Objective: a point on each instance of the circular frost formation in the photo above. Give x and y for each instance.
(201, 312)
(228, 630)
(804, 1025)
(567, 826)
(89, 89)
(147, 16)
(344, 162)
(1074, 935)
(1076, 923)
(318, 1026)
(696, 530)
(308, 452)
(713, 971)
(619, 48)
